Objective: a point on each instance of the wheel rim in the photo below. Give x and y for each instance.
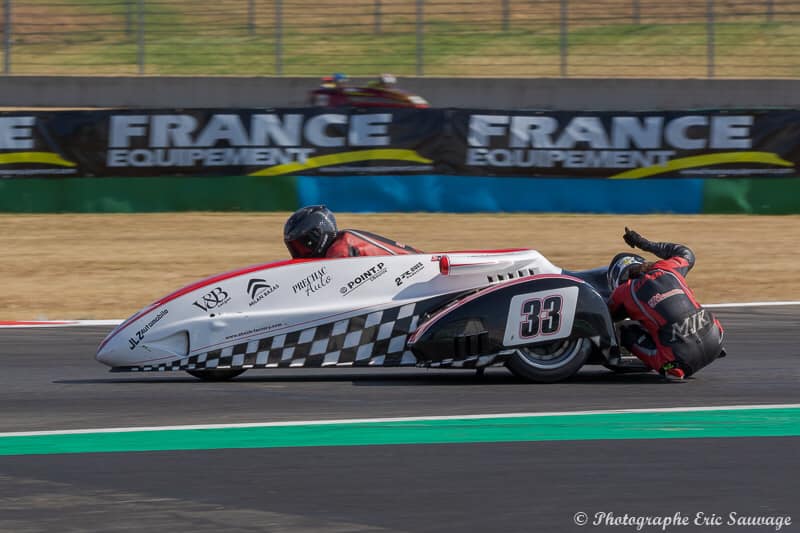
(551, 356)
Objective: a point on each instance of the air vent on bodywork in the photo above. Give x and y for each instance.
(511, 275)
(470, 344)
(177, 343)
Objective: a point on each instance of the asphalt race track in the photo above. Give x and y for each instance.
(50, 381)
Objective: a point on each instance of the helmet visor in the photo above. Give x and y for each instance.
(622, 268)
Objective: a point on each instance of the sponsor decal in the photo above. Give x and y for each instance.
(648, 144)
(660, 297)
(226, 139)
(19, 147)
(258, 289)
(541, 316)
(254, 331)
(313, 282)
(413, 271)
(214, 299)
(690, 325)
(139, 336)
(16, 133)
(371, 274)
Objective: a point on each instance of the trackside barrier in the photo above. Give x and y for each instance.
(465, 194)
(457, 160)
(146, 195)
(754, 196)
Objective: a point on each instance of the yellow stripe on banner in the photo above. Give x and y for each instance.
(387, 154)
(766, 158)
(45, 158)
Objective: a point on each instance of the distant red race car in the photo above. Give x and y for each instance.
(333, 92)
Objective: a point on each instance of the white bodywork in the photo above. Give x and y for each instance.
(241, 315)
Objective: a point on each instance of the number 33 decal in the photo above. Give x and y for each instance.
(540, 317)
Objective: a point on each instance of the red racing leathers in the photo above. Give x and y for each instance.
(677, 331)
(354, 243)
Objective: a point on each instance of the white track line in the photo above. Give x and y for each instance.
(402, 419)
(751, 304)
(60, 323)
(116, 322)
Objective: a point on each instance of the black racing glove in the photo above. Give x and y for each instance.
(662, 250)
(634, 240)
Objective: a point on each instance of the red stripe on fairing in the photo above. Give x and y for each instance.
(478, 294)
(472, 264)
(507, 251)
(199, 285)
(227, 275)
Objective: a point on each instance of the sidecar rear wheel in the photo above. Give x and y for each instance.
(551, 362)
(216, 374)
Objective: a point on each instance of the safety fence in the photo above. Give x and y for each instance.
(521, 38)
(401, 160)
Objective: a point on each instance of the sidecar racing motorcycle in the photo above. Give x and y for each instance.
(334, 91)
(465, 310)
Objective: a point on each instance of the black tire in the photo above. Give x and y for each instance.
(549, 363)
(216, 374)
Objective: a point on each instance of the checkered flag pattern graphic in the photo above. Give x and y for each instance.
(377, 338)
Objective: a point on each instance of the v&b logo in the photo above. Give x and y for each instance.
(212, 300)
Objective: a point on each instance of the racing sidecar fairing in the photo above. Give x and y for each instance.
(456, 310)
(334, 92)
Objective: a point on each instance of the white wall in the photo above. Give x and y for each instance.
(540, 93)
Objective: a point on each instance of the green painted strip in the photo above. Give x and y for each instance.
(143, 195)
(776, 422)
(758, 196)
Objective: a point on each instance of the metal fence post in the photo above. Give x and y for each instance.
(279, 37)
(636, 9)
(563, 44)
(420, 36)
(710, 32)
(140, 35)
(7, 37)
(251, 17)
(770, 10)
(378, 17)
(128, 17)
(506, 14)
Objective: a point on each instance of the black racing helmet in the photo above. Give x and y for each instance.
(310, 231)
(619, 271)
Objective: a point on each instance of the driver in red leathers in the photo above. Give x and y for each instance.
(675, 335)
(311, 232)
